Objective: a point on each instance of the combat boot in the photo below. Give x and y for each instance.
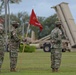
(0, 68)
(13, 70)
(53, 69)
(56, 70)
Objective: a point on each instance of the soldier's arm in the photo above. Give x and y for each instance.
(59, 37)
(4, 40)
(16, 37)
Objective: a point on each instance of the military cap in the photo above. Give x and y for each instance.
(58, 23)
(15, 24)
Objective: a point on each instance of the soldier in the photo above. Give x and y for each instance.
(14, 46)
(56, 51)
(1, 44)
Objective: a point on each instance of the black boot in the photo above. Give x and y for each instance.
(56, 70)
(13, 70)
(0, 68)
(53, 69)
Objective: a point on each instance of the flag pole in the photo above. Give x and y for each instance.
(27, 30)
(24, 44)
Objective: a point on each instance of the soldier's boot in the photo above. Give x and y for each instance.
(53, 69)
(0, 68)
(56, 70)
(13, 70)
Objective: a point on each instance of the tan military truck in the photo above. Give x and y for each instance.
(45, 44)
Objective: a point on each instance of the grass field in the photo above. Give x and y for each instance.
(38, 63)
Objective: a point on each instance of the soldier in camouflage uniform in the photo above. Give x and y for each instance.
(1, 45)
(13, 47)
(56, 51)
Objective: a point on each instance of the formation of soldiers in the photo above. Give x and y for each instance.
(13, 46)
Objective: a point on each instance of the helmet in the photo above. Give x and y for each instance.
(15, 24)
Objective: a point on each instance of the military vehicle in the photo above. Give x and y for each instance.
(68, 27)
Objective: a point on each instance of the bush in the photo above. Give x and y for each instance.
(27, 48)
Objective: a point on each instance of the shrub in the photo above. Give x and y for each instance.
(27, 48)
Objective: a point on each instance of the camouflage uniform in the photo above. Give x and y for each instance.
(1, 45)
(56, 51)
(13, 48)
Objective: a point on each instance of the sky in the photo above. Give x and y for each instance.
(42, 7)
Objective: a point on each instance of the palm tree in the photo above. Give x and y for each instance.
(1, 6)
(15, 1)
(9, 1)
(5, 3)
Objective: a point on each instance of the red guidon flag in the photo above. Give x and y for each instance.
(34, 21)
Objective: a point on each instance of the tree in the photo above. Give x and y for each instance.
(22, 18)
(36, 29)
(1, 6)
(10, 1)
(15, 1)
(48, 25)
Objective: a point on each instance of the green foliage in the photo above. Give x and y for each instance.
(10, 1)
(15, 1)
(48, 25)
(23, 18)
(27, 48)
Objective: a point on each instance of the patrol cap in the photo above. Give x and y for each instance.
(15, 23)
(58, 23)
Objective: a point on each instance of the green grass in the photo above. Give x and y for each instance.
(38, 63)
